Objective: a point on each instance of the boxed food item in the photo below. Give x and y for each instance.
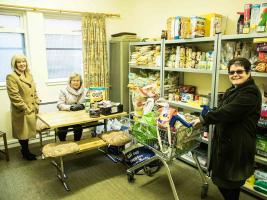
(261, 145)
(177, 26)
(94, 112)
(247, 11)
(255, 15)
(187, 89)
(185, 28)
(114, 108)
(96, 94)
(263, 18)
(197, 26)
(170, 25)
(213, 24)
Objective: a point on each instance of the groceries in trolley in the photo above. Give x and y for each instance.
(164, 134)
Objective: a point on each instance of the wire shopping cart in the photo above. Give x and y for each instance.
(167, 144)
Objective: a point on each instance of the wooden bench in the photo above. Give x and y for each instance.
(3, 135)
(82, 146)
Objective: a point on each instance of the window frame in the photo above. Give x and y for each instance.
(22, 29)
(60, 81)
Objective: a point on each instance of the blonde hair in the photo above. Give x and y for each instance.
(14, 61)
(74, 75)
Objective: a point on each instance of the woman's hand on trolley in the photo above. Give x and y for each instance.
(195, 122)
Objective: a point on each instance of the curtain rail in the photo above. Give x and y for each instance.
(54, 10)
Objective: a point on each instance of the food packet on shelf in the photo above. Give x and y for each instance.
(138, 100)
(151, 90)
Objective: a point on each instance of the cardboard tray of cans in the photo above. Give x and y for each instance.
(111, 110)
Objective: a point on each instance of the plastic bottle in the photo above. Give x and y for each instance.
(240, 23)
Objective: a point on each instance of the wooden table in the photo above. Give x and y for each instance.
(65, 118)
(59, 119)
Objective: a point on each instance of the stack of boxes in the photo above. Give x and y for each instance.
(180, 27)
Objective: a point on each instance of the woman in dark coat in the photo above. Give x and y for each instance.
(234, 140)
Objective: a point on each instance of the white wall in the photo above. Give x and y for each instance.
(148, 18)
(145, 17)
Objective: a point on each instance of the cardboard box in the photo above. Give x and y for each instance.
(261, 143)
(213, 24)
(111, 110)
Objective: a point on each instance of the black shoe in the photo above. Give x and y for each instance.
(28, 156)
(31, 154)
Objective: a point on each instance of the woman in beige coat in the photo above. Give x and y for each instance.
(24, 103)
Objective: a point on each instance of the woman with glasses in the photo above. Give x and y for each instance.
(234, 140)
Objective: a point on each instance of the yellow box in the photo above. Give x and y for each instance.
(213, 24)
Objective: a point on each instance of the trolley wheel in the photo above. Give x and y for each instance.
(130, 177)
(204, 191)
(148, 171)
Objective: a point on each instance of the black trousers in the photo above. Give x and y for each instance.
(77, 129)
(230, 194)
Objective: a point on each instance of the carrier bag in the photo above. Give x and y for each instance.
(139, 155)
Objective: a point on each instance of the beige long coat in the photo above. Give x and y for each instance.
(24, 105)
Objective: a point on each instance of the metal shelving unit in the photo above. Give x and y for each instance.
(215, 74)
(144, 67)
(243, 36)
(251, 190)
(185, 106)
(191, 162)
(212, 42)
(204, 71)
(192, 40)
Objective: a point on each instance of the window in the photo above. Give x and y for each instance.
(63, 47)
(11, 41)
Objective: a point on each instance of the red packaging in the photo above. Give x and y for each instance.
(262, 56)
(247, 11)
(187, 89)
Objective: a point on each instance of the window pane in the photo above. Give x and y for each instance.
(64, 49)
(61, 63)
(63, 41)
(5, 64)
(11, 40)
(10, 21)
(62, 24)
(10, 44)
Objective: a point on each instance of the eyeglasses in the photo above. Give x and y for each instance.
(240, 71)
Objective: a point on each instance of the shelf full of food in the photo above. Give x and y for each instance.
(145, 55)
(199, 57)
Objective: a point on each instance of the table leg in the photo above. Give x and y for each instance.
(105, 124)
(61, 174)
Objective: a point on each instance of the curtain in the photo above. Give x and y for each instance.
(95, 61)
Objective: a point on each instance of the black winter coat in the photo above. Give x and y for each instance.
(234, 140)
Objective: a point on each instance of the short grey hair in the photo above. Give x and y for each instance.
(74, 75)
(17, 57)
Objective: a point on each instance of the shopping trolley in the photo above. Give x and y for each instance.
(167, 144)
